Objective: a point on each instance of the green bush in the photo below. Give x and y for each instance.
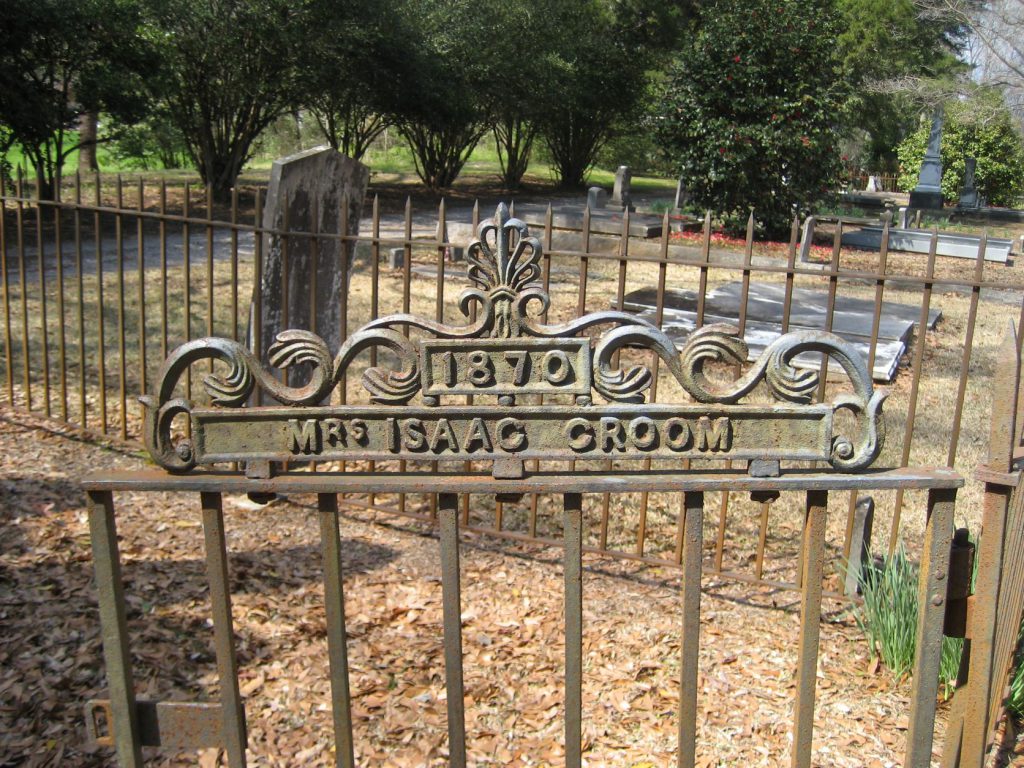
(888, 619)
(749, 108)
(983, 130)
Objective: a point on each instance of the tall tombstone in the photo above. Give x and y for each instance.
(621, 193)
(682, 194)
(307, 190)
(969, 192)
(928, 192)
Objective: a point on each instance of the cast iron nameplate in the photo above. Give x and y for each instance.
(539, 391)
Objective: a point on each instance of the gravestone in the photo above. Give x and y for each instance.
(396, 258)
(860, 544)
(307, 190)
(597, 198)
(622, 194)
(807, 239)
(968, 192)
(682, 195)
(902, 219)
(874, 184)
(928, 192)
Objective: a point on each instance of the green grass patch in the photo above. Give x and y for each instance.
(888, 619)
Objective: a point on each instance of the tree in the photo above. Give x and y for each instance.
(351, 70)
(61, 59)
(750, 109)
(983, 129)
(604, 54)
(442, 110)
(881, 41)
(996, 35)
(230, 71)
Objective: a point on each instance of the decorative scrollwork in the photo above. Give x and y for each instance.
(504, 266)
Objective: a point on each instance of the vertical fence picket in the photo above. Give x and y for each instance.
(232, 709)
(931, 602)
(692, 551)
(337, 638)
(116, 651)
(4, 276)
(44, 331)
(448, 509)
(101, 340)
(916, 371)
(573, 572)
(811, 567)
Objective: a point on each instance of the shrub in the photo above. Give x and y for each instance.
(888, 619)
(750, 107)
(971, 129)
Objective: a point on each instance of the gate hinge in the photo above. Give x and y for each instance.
(958, 586)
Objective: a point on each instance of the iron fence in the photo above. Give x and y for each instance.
(100, 285)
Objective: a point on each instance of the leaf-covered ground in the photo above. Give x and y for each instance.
(50, 660)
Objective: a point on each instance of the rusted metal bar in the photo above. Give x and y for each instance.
(116, 652)
(448, 505)
(811, 567)
(655, 365)
(257, 286)
(620, 294)
(58, 247)
(122, 357)
(625, 481)
(186, 269)
(232, 708)
(704, 264)
(406, 292)
(931, 601)
(374, 284)
(19, 223)
(573, 569)
(209, 264)
(765, 500)
(101, 341)
(337, 639)
(140, 241)
(44, 334)
(918, 364)
(787, 302)
(8, 351)
(234, 263)
(692, 513)
(163, 270)
(965, 361)
(80, 301)
(990, 555)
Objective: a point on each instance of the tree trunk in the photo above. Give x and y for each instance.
(87, 128)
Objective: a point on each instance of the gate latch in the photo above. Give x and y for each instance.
(958, 587)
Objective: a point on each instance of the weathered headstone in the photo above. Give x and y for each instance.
(597, 198)
(902, 218)
(621, 193)
(307, 190)
(682, 194)
(969, 192)
(396, 258)
(807, 239)
(860, 544)
(928, 192)
(874, 184)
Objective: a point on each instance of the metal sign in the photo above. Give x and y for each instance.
(506, 356)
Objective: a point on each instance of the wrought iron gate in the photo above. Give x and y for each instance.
(539, 405)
